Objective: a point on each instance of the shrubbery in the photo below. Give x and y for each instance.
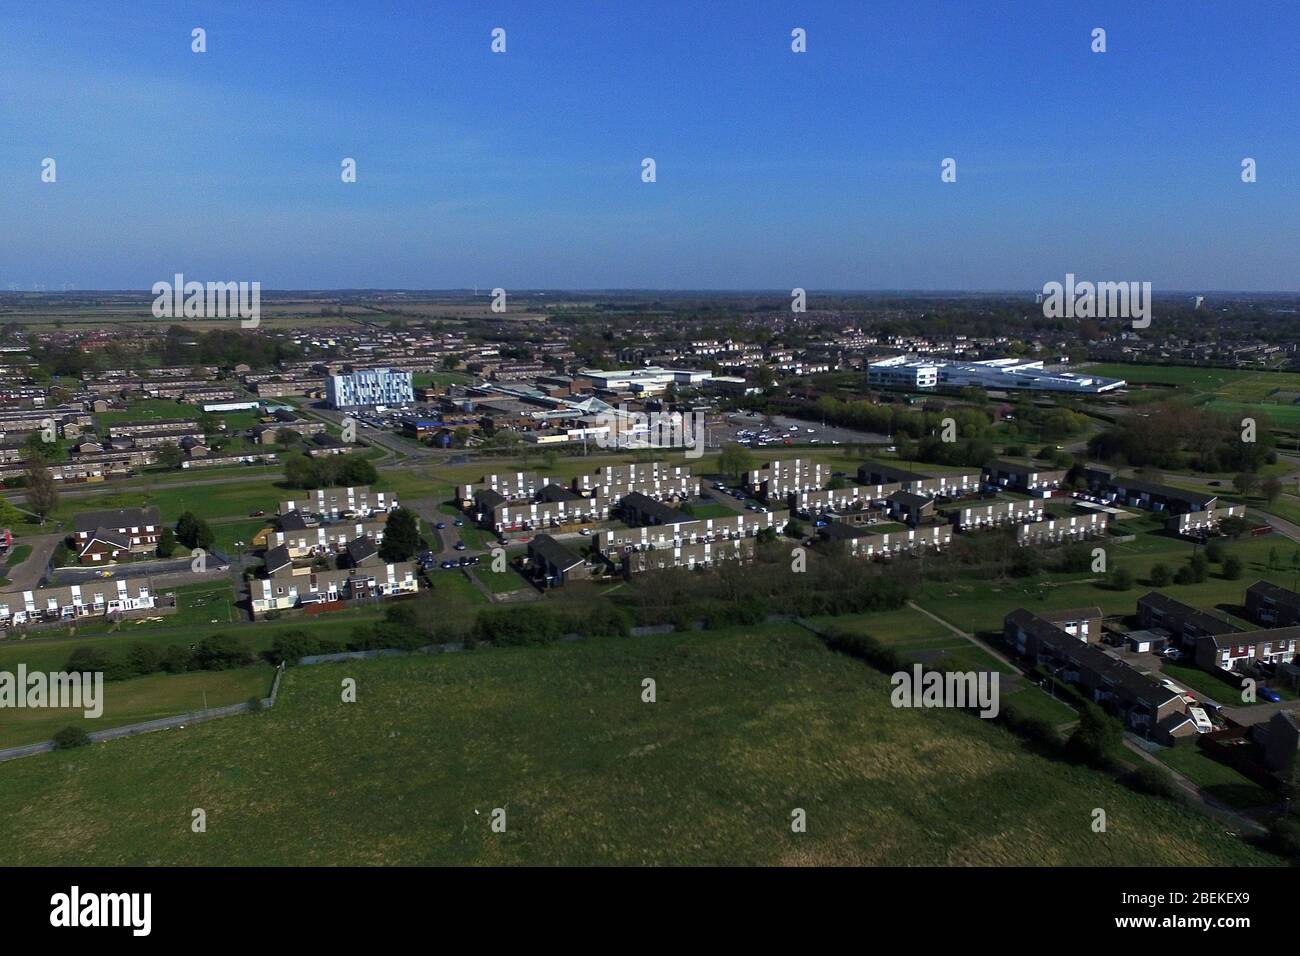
(214, 653)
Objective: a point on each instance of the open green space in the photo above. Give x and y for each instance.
(140, 699)
(748, 725)
(1219, 780)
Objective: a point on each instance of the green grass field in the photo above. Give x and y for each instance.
(141, 699)
(749, 725)
(1219, 780)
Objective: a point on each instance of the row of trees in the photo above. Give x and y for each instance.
(303, 471)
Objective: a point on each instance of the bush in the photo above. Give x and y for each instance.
(1185, 575)
(84, 659)
(1161, 577)
(1121, 579)
(291, 646)
(1152, 780)
(1233, 567)
(255, 705)
(220, 652)
(517, 627)
(1094, 738)
(1215, 551)
(1286, 838)
(70, 737)
(176, 659)
(1029, 726)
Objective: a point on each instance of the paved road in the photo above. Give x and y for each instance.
(28, 574)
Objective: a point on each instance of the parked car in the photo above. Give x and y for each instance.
(441, 525)
(460, 545)
(258, 514)
(459, 522)
(448, 565)
(585, 531)
(1269, 694)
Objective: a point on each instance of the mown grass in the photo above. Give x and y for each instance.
(748, 725)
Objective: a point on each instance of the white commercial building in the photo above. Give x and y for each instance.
(914, 373)
(369, 387)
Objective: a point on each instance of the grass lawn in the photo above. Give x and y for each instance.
(1037, 702)
(452, 589)
(749, 724)
(1219, 780)
(499, 582)
(150, 409)
(51, 652)
(711, 509)
(140, 699)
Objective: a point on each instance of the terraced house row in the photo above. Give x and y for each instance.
(333, 503)
(92, 599)
(1146, 705)
(304, 587)
(864, 541)
(1218, 644)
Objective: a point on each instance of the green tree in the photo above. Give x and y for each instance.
(735, 460)
(401, 536)
(194, 532)
(170, 454)
(1271, 489)
(1161, 576)
(1233, 567)
(42, 495)
(166, 543)
(357, 471)
(1095, 738)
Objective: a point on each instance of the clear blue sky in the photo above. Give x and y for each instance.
(775, 170)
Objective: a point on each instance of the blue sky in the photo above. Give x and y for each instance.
(775, 169)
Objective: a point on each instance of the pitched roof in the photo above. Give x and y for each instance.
(88, 521)
(554, 553)
(278, 559)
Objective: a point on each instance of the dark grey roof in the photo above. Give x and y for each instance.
(553, 492)
(277, 559)
(889, 472)
(656, 510)
(488, 499)
(554, 553)
(361, 548)
(1184, 613)
(109, 536)
(908, 498)
(293, 521)
(121, 518)
(1278, 595)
